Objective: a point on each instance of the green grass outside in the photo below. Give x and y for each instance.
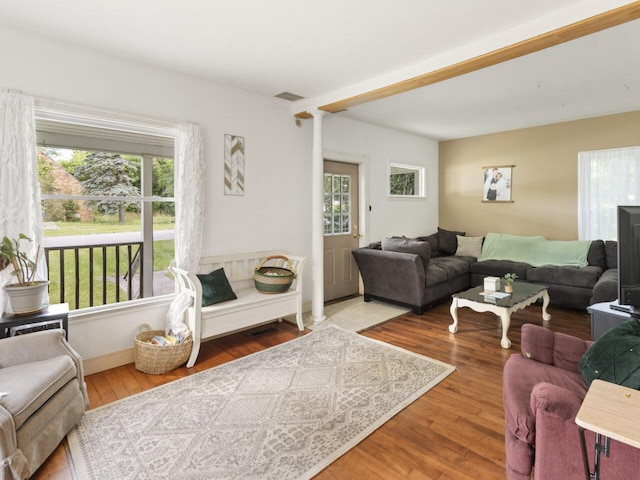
(163, 254)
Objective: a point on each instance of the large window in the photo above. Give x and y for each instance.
(606, 179)
(109, 211)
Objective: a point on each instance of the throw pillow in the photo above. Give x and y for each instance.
(215, 288)
(433, 243)
(469, 246)
(447, 240)
(408, 245)
(615, 356)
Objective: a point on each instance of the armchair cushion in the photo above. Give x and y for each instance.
(552, 348)
(615, 356)
(31, 385)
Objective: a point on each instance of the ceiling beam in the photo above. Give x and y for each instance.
(597, 23)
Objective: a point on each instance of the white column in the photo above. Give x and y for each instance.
(317, 220)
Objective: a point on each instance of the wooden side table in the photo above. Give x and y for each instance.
(59, 311)
(610, 411)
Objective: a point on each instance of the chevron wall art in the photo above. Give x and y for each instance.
(233, 165)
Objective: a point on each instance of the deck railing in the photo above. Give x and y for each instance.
(97, 273)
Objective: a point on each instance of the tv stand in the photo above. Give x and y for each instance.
(605, 316)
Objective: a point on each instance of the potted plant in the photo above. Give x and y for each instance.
(27, 295)
(508, 282)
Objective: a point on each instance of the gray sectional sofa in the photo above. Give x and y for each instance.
(420, 272)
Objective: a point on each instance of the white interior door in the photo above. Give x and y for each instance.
(340, 229)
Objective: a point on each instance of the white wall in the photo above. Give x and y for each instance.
(410, 217)
(273, 213)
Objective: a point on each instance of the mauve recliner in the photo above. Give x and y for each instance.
(542, 392)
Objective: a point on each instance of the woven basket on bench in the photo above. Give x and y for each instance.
(159, 359)
(274, 279)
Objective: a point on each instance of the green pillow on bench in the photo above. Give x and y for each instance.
(615, 357)
(215, 288)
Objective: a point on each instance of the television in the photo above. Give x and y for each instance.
(629, 257)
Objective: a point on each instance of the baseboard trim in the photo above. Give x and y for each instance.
(123, 357)
(108, 360)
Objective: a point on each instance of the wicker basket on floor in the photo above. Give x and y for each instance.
(159, 359)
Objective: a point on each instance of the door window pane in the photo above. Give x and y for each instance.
(337, 202)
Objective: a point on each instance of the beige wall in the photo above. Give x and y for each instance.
(545, 176)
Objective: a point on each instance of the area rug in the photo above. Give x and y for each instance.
(357, 315)
(283, 413)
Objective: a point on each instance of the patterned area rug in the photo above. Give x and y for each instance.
(283, 413)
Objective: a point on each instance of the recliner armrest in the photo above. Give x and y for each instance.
(560, 402)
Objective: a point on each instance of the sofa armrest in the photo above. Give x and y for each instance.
(392, 275)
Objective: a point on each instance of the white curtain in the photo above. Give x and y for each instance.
(606, 179)
(189, 195)
(20, 210)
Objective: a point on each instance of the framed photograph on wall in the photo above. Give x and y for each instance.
(497, 183)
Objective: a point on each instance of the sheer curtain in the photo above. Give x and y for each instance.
(606, 179)
(20, 210)
(189, 194)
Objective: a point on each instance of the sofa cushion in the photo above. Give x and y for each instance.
(453, 266)
(31, 385)
(596, 255)
(435, 275)
(497, 268)
(519, 418)
(408, 245)
(615, 356)
(585, 277)
(469, 246)
(611, 253)
(433, 243)
(447, 240)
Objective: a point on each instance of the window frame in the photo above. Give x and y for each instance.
(419, 181)
(127, 131)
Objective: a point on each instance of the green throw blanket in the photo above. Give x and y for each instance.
(536, 251)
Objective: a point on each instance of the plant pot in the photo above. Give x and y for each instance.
(508, 288)
(28, 298)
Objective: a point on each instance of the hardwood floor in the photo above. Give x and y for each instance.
(453, 432)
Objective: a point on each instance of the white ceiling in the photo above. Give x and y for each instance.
(333, 49)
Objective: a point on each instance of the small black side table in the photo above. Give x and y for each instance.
(59, 311)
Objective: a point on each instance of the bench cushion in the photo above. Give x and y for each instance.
(31, 385)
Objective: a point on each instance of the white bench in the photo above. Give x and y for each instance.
(250, 309)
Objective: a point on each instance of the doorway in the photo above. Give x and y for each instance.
(341, 231)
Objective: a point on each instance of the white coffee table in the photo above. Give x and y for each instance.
(524, 294)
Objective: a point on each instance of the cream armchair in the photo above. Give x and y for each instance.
(42, 396)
